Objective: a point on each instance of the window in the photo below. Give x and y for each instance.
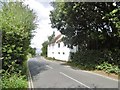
(68, 46)
(52, 52)
(71, 47)
(58, 45)
(64, 44)
(58, 52)
(63, 53)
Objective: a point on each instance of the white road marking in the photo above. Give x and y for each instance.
(49, 66)
(31, 83)
(100, 75)
(31, 87)
(74, 79)
(28, 82)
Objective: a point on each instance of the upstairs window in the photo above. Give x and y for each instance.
(58, 45)
(71, 47)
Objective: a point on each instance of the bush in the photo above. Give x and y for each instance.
(14, 80)
(108, 68)
(106, 60)
(24, 69)
(15, 77)
(111, 56)
(87, 59)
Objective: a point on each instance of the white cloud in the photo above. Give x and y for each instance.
(44, 28)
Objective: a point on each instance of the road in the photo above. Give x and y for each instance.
(54, 74)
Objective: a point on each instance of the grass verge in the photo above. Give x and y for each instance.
(97, 70)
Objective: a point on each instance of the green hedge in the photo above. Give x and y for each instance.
(17, 22)
(87, 59)
(97, 59)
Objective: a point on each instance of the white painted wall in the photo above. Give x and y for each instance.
(61, 53)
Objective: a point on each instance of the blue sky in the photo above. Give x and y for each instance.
(42, 10)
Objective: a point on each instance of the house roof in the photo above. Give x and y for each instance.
(57, 39)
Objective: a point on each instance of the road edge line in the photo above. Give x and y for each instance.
(31, 87)
(100, 75)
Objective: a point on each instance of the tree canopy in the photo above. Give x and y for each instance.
(46, 43)
(95, 28)
(93, 25)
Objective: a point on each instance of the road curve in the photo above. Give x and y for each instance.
(54, 74)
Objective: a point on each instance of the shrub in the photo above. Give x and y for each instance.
(109, 68)
(106, 60)
(14, 80)
(14, 77)
(87, 59)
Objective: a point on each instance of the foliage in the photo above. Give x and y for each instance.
(14, 77)
(92, 25)
(17, 23)
(46, 43)
(44, 48)
(14, 80)
(94, 59)
(24, 69)
(87, 59)
(32, 51)
(109, 68)
(50, 38)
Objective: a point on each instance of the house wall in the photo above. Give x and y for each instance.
(61, 53)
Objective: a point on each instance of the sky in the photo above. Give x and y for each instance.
(42, 10)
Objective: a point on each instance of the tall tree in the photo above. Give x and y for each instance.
(46, 43)
(44, 49)
(84, 24)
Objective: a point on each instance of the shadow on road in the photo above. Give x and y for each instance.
(36, 67)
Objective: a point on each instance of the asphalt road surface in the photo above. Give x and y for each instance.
(54, 74)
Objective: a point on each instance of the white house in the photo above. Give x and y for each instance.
(58, 50)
